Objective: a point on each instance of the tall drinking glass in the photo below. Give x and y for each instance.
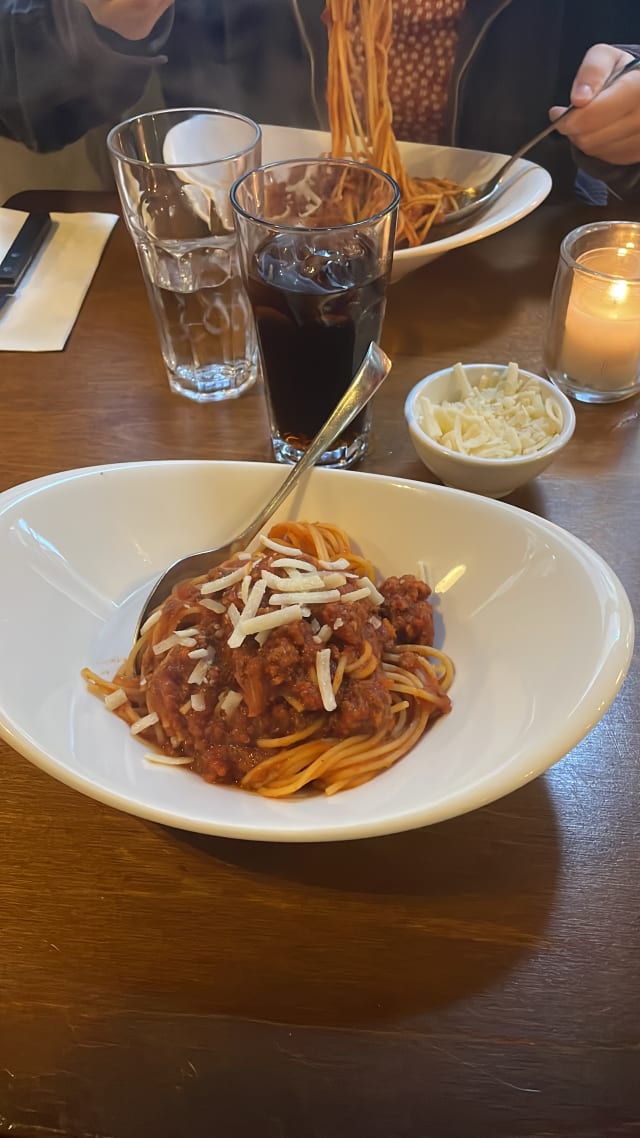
(174, 170)
(316, 245)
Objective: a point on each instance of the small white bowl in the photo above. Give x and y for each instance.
(494, 477)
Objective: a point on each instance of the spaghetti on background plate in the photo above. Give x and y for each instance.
(285, 668)
(361, 115)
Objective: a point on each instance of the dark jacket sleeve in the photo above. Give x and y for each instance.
(61, 75)
(623, 180)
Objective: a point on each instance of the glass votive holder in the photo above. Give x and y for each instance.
(592, 344)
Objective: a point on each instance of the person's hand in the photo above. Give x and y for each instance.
(607, 125)
(132, 19)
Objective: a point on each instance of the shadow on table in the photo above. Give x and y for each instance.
(281, 975)
(403, 923)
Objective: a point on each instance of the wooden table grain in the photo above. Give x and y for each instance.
(475, 979)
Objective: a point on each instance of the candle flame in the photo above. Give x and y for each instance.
(618, 291)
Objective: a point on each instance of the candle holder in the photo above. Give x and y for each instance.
(592, 348)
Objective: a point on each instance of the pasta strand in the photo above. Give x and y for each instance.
(361, 114)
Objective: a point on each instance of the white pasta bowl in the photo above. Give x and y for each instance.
(527, 186)
(81, 548)
(494, 477)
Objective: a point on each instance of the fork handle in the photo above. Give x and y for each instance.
(497, 178)
(372, 371)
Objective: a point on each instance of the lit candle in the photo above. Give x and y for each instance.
(601, 344)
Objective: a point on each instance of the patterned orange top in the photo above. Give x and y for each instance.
(425, 37)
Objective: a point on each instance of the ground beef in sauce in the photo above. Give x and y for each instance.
(284, 659)
(276, 680)
(406, 606)
(363, 707)
(352, 623)
(225, 762)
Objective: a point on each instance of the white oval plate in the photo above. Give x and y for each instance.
(528, 185)
(539, 627)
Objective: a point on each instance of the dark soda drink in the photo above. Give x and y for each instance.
(317, 308)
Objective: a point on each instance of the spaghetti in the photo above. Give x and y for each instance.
(361, 115)
(285, 669)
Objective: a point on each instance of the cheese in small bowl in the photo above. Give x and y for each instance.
(487, 427)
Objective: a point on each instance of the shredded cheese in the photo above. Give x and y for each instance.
(323, 671)
(115, 699)
(230, 701)
(150, 621)
(142, 724)
(199, 672)
(221, 583)
(301, 583)
(267, 620)
(312, 598)
(503, 416)
(277, 547)
(356, 595)
(254, 600)
(333, 580)
(340, 563)
(213, 606)
(293, 563)
(375, 594)
(164, 645)
(168, 760)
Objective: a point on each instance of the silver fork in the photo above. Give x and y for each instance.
(473, 199)
(372, 372)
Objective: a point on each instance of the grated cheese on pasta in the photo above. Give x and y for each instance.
(115, 699)
(323, 672)
(495, 418)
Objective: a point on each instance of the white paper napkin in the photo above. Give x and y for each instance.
(43, 311)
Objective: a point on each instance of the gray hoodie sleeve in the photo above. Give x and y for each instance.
(61, 74)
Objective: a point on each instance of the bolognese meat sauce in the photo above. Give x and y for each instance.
(269, 648)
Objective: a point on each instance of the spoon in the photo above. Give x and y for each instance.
(373, 370)
(473, 199)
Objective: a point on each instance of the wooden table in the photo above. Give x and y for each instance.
(478, 978)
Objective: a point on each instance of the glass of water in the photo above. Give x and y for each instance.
(174, 170)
